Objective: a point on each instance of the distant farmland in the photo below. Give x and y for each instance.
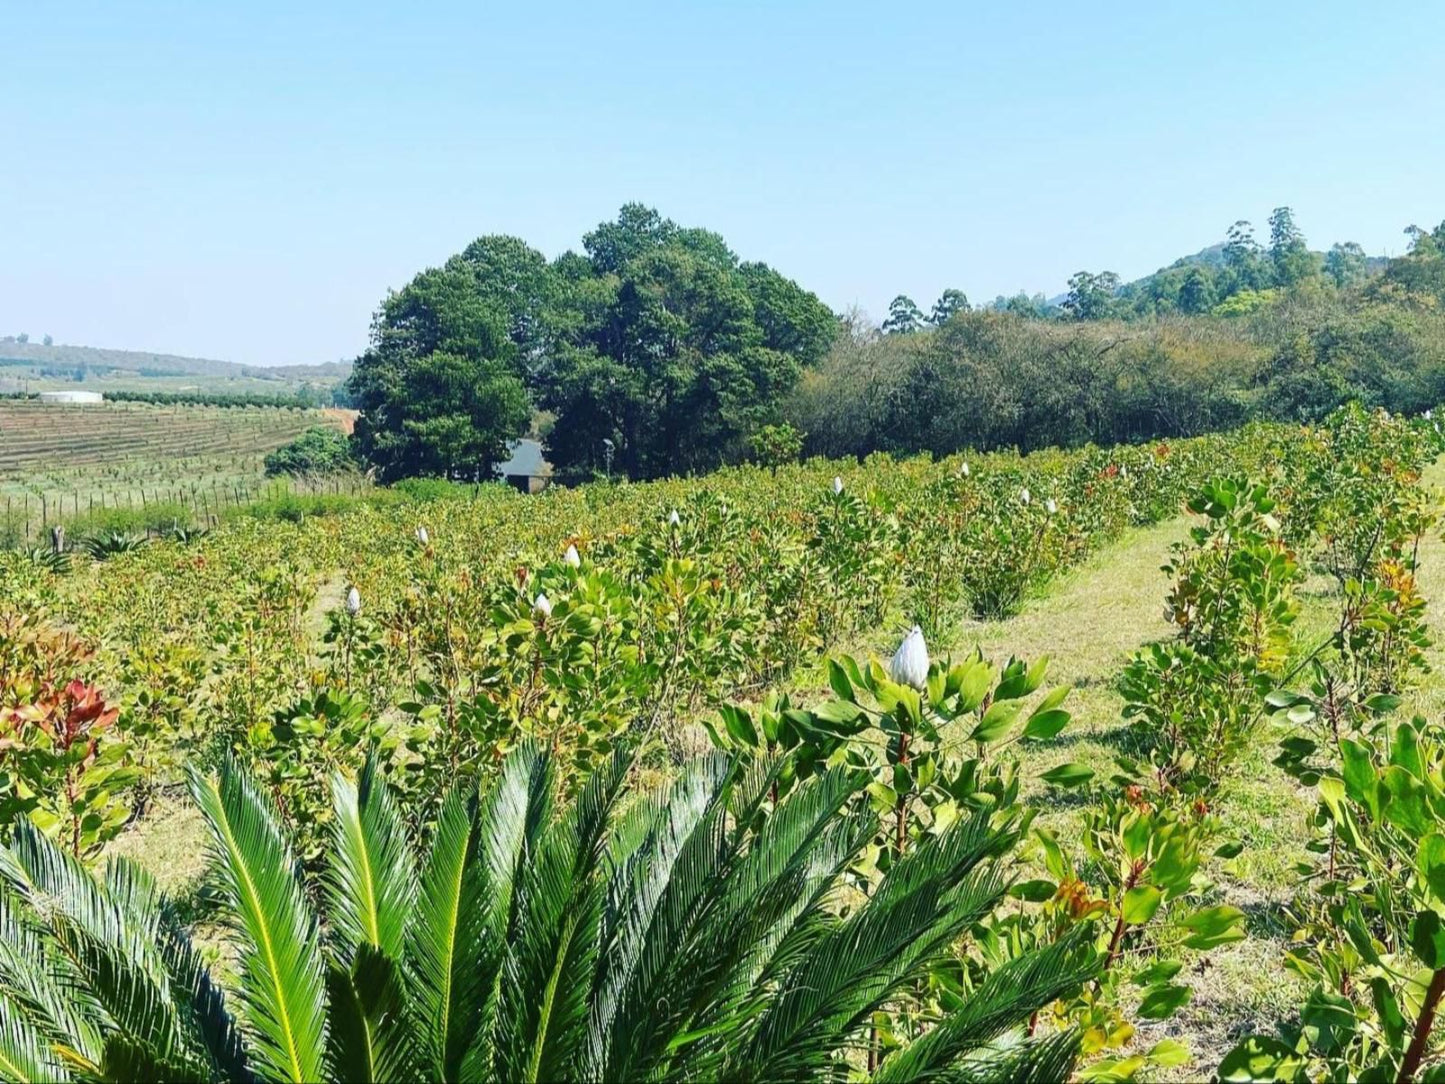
(63, 462)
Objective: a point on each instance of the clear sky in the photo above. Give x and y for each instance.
(246, 180)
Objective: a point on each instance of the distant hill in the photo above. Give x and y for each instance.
(90, 364)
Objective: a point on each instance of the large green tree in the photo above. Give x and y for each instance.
(676, 352)
(441, 390)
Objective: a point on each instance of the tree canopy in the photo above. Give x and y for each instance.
(656, 351)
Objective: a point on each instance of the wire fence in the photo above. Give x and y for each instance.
(27, 518)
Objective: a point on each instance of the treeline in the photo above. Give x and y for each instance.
(307, 397)
(657, 350)
(989, 379)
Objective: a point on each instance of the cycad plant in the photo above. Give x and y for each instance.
(693, 933)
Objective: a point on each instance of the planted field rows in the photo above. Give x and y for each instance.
(60, 462)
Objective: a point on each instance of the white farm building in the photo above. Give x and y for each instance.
(72, 398)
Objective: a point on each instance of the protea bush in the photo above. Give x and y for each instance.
(700, 932)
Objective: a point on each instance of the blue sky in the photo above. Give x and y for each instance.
(245, 181)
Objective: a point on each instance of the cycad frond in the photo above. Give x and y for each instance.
(1009, 995)
(444, 941)
(46, 989)
(283, 987)
(928, 898)
(650, 904)
(541, 1008)
(25, 1057)
(366, 1037)
(1028, 1061)
(370, 880)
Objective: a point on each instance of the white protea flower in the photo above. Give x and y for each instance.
(673, 519)
(1025, 496)
(1429, 414)
(572, 557)
(837, 484)
(422, 536)
(542, 607)
(353, 602)
(1051, 506)
(909, 665)
(1124, 471)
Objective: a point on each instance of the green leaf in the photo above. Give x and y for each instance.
(1431, 863)
(976, 679)
(739, 726)
(1214, 926)
(1159, 971)
(1044, 725)
(839, 681)
(1036, 891)
(1358, 771)
(996, 722)
(1427, 938)
(1260, 1058)
(1169, 1053)
(1163, 1001)
(1068, 775)
(843, 712)
(1140, 903)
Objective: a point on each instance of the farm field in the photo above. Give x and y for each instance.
(1172, 889)
(59, 462)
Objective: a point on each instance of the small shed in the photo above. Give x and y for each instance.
(71, 398)
(527, 470)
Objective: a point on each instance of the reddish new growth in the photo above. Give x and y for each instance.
(80, 714)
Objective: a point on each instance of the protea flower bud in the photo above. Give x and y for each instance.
(837, 484)
(963, 470)
(353, 602)
(673, 519)
(909, 665)
(422, 536)
(1051, 506)
(542, 607)
(1429, 414)
(1025, 496)
(572, 557)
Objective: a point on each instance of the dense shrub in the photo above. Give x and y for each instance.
(319, 450)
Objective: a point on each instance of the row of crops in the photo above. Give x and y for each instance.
(590, 785)
(96, 464)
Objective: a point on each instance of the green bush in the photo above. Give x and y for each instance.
(319, 450)
(159, 518)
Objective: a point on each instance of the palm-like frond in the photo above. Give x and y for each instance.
(284, 989)
(370, 880)
(1029, 1061)
(25, 1057)
(649, 900)
(540, 1014)
(929, 897)
(1011, 994)
(366, 1037)
(700, 933)
(444, 941)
